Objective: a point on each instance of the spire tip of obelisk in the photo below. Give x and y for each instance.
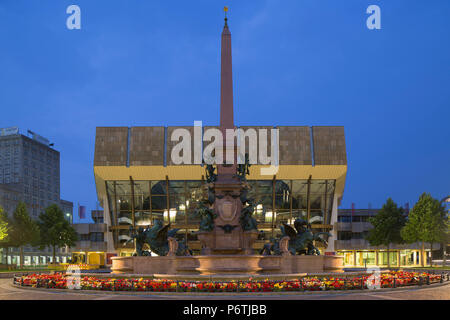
(225, 9)
(226, 81)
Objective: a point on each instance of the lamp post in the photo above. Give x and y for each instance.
(446, 200)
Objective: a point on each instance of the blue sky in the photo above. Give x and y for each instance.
(298, 62)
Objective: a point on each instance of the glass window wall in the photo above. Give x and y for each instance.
(139, 203)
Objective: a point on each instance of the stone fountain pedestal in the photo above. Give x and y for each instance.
(222, 243)
(228, 236)
(226, 265)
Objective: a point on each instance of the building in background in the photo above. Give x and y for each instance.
(30, 172)
(352, 227)
(10, 196)
(92, 247)
(67, 208)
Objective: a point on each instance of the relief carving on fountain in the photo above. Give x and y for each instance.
(231, 231)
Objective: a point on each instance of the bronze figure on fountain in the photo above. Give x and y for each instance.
(160, 239)
(296, 241)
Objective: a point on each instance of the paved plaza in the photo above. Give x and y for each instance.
(9, 292)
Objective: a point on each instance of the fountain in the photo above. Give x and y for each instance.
(227, 229)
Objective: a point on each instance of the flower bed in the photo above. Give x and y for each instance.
(386, 280)
(79, 266)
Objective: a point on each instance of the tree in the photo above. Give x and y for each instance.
(4, 226)
(446, 241)
(56, 231)
(386, 226)
(5, 229)
(25, 231)
(426, 223)
(445, 202)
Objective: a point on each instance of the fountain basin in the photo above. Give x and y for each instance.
(226, 264)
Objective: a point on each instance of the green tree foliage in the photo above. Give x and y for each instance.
(427, 222)
(25, 231)
(56, 231)
(386, 226)
(5, 230)
(446, 239)
(4, 226)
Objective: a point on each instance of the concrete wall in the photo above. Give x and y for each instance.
(329, 146)
(111, 146)
(295, 146)
(146, 145)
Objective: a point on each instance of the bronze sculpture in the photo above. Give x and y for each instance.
(242, 170)
(210, 175)
(157, 238)
(300, 240)
(248, 223)
(207, 216)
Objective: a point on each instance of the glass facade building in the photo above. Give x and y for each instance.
(138, 203)
(137, 182)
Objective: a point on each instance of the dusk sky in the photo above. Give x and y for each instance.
(297, 62)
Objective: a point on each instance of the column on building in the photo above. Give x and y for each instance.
(334, 218)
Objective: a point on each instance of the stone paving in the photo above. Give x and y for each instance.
(9, 292)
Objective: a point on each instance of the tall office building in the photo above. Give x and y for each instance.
(29, 172)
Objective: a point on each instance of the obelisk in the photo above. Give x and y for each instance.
(226, 172)
(228, 236)
(226, 81)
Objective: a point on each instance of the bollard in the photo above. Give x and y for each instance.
(394, 284)
(345, 284)
(176, 290)
(420, 281)
(362, 284)
(428, 280)
(442, 278)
